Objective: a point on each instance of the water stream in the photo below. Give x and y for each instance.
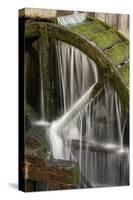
(89, 132)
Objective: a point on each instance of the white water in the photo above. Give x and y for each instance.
(100, 122)
(56, 136)
(72, 19)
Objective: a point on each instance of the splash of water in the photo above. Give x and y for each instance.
(100, 122)
(57, 126)
(72, 19)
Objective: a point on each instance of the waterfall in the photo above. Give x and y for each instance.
(56, 133)
(88, 132)
(71, 19)
(96, 128)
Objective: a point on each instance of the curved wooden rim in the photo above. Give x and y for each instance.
(105, 66)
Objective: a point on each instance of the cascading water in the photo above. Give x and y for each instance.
(72, 19)
(89, 132)
(98, 124)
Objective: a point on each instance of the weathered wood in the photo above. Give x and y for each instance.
(123, 24)
(32, 76)
(37, 13)
(59, 174)
(100, 16)
(44, 75)
(64, 12)
(105, 65)
(106, 39)
(124, 71)
(112, 20)
(89, 29)
(119, 53)
(118, 21)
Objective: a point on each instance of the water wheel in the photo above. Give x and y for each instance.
(108, 48)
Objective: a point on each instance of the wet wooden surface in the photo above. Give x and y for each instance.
(118, 21)
(59, 174)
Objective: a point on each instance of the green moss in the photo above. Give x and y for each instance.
(105, 60)
(76, 174)
(47, 67)
(32, 31)
(124, 72)
(65, 35)
(88, 29)
(118, 53)
(106, 39)
(108, 27)
(51, 86)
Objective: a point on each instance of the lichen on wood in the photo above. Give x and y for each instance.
(88, 29)
(106, 39)
(105, 65)
(91, 38)
(118, 53)
(59, 174)
(124, 72)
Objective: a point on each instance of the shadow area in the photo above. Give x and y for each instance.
(13, 185)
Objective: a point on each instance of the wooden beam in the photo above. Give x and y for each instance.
(37, 13)
(59, 174)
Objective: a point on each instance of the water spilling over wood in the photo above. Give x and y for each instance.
(90, 128)
(100, 121)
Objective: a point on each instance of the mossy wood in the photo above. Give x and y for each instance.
(59, 174)
(103, 44)
(110, 51)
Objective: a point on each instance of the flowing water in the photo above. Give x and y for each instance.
(71, 19)
(89, 132)
(99, 123)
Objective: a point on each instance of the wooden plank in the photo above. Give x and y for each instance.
(124, 72)
(123, 24)
(112, 20)
(100, 16)
(89, 29)
(118, 21)
(106, 39)
(119, 53)
(58, 174)
(37, 13)
(91, 14)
